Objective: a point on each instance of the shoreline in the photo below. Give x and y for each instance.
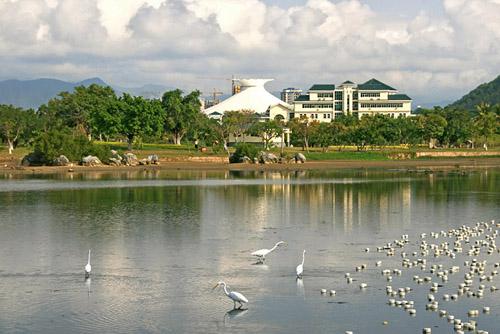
(427, 164)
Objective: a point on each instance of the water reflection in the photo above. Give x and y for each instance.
(158, 244)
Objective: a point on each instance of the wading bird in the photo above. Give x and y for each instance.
(300, 267)
(88, 267)
(261, 253)
(236, 297)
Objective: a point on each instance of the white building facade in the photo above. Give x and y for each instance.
(289, 95)
(325, 102)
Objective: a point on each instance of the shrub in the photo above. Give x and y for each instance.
(52, 144)
(244, 149)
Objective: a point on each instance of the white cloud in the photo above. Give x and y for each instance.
(175, 42)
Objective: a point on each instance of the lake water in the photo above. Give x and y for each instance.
(161, 240)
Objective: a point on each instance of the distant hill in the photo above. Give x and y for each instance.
(486, 92)
(33, 93)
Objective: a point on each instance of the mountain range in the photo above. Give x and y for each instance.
(33, 93)
(487, 92)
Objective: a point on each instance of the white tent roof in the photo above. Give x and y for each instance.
(253, 96)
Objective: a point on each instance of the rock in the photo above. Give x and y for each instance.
(143, 162)
(299, 157)
(61, 161)
(245, 160)
(153, 159)
(130, 159)
(32, 159)
(267, 157)
(115, 162)
(91, 161)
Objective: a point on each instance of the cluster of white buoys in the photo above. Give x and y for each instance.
(471, 241)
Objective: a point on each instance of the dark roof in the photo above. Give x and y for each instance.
(322, 87)
(348, 82)
(399, 97)
(374, 84)
(302, 98)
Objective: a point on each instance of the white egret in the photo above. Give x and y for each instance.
(235, 296)
(261, 253)
(300, 267)
(88, 267)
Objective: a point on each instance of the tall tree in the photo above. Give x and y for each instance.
(302, 129)
(140, 117)
(267, 130)
(14, 123)
(431, 127)
(181, 112)
(81, 108)
(486, 122)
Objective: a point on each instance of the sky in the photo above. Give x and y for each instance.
(431, 49)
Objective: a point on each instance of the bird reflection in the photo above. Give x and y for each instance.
(88, 282)
(300, 287)
(261, 265)
(235, 313)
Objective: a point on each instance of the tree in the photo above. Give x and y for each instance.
(324, 137)
(302, 129)
(14, 123)
(267, 130)
(459, 127)
(140, 117)
(239, 121)
(486, 121)
(431, 127)
(82, 109)
(180, 112)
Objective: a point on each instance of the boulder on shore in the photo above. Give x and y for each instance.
(153, 159)
(62, 160)
(91, 161)
(130, 159)
(267, 157)
(245, 160)
(300, 158)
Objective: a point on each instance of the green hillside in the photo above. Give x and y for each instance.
(487, 92)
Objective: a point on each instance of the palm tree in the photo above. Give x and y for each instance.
(486, 121)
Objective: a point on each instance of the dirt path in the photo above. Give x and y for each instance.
(432, 164)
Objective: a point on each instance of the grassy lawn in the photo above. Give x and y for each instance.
(347, 155)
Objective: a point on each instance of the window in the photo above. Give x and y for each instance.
(370, 94)
(339, 95)
(338, 114)
(355, 95)
(381, 105)
(355, 106)
(325, 94)
(292, 115)
(317, 106)
(338, 106)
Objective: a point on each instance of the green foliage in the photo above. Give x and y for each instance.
(267, 130)
(16, 125)
(74, 146)
(487, 122)
(181, 112)
(87, 108)
(140, 117)
(244, 149)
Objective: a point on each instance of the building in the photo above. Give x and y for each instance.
(324, 102)
(252, 96)
(289, 95)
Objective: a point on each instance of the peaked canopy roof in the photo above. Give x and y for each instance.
(374, 84)
(253, 96)
(322, 87)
